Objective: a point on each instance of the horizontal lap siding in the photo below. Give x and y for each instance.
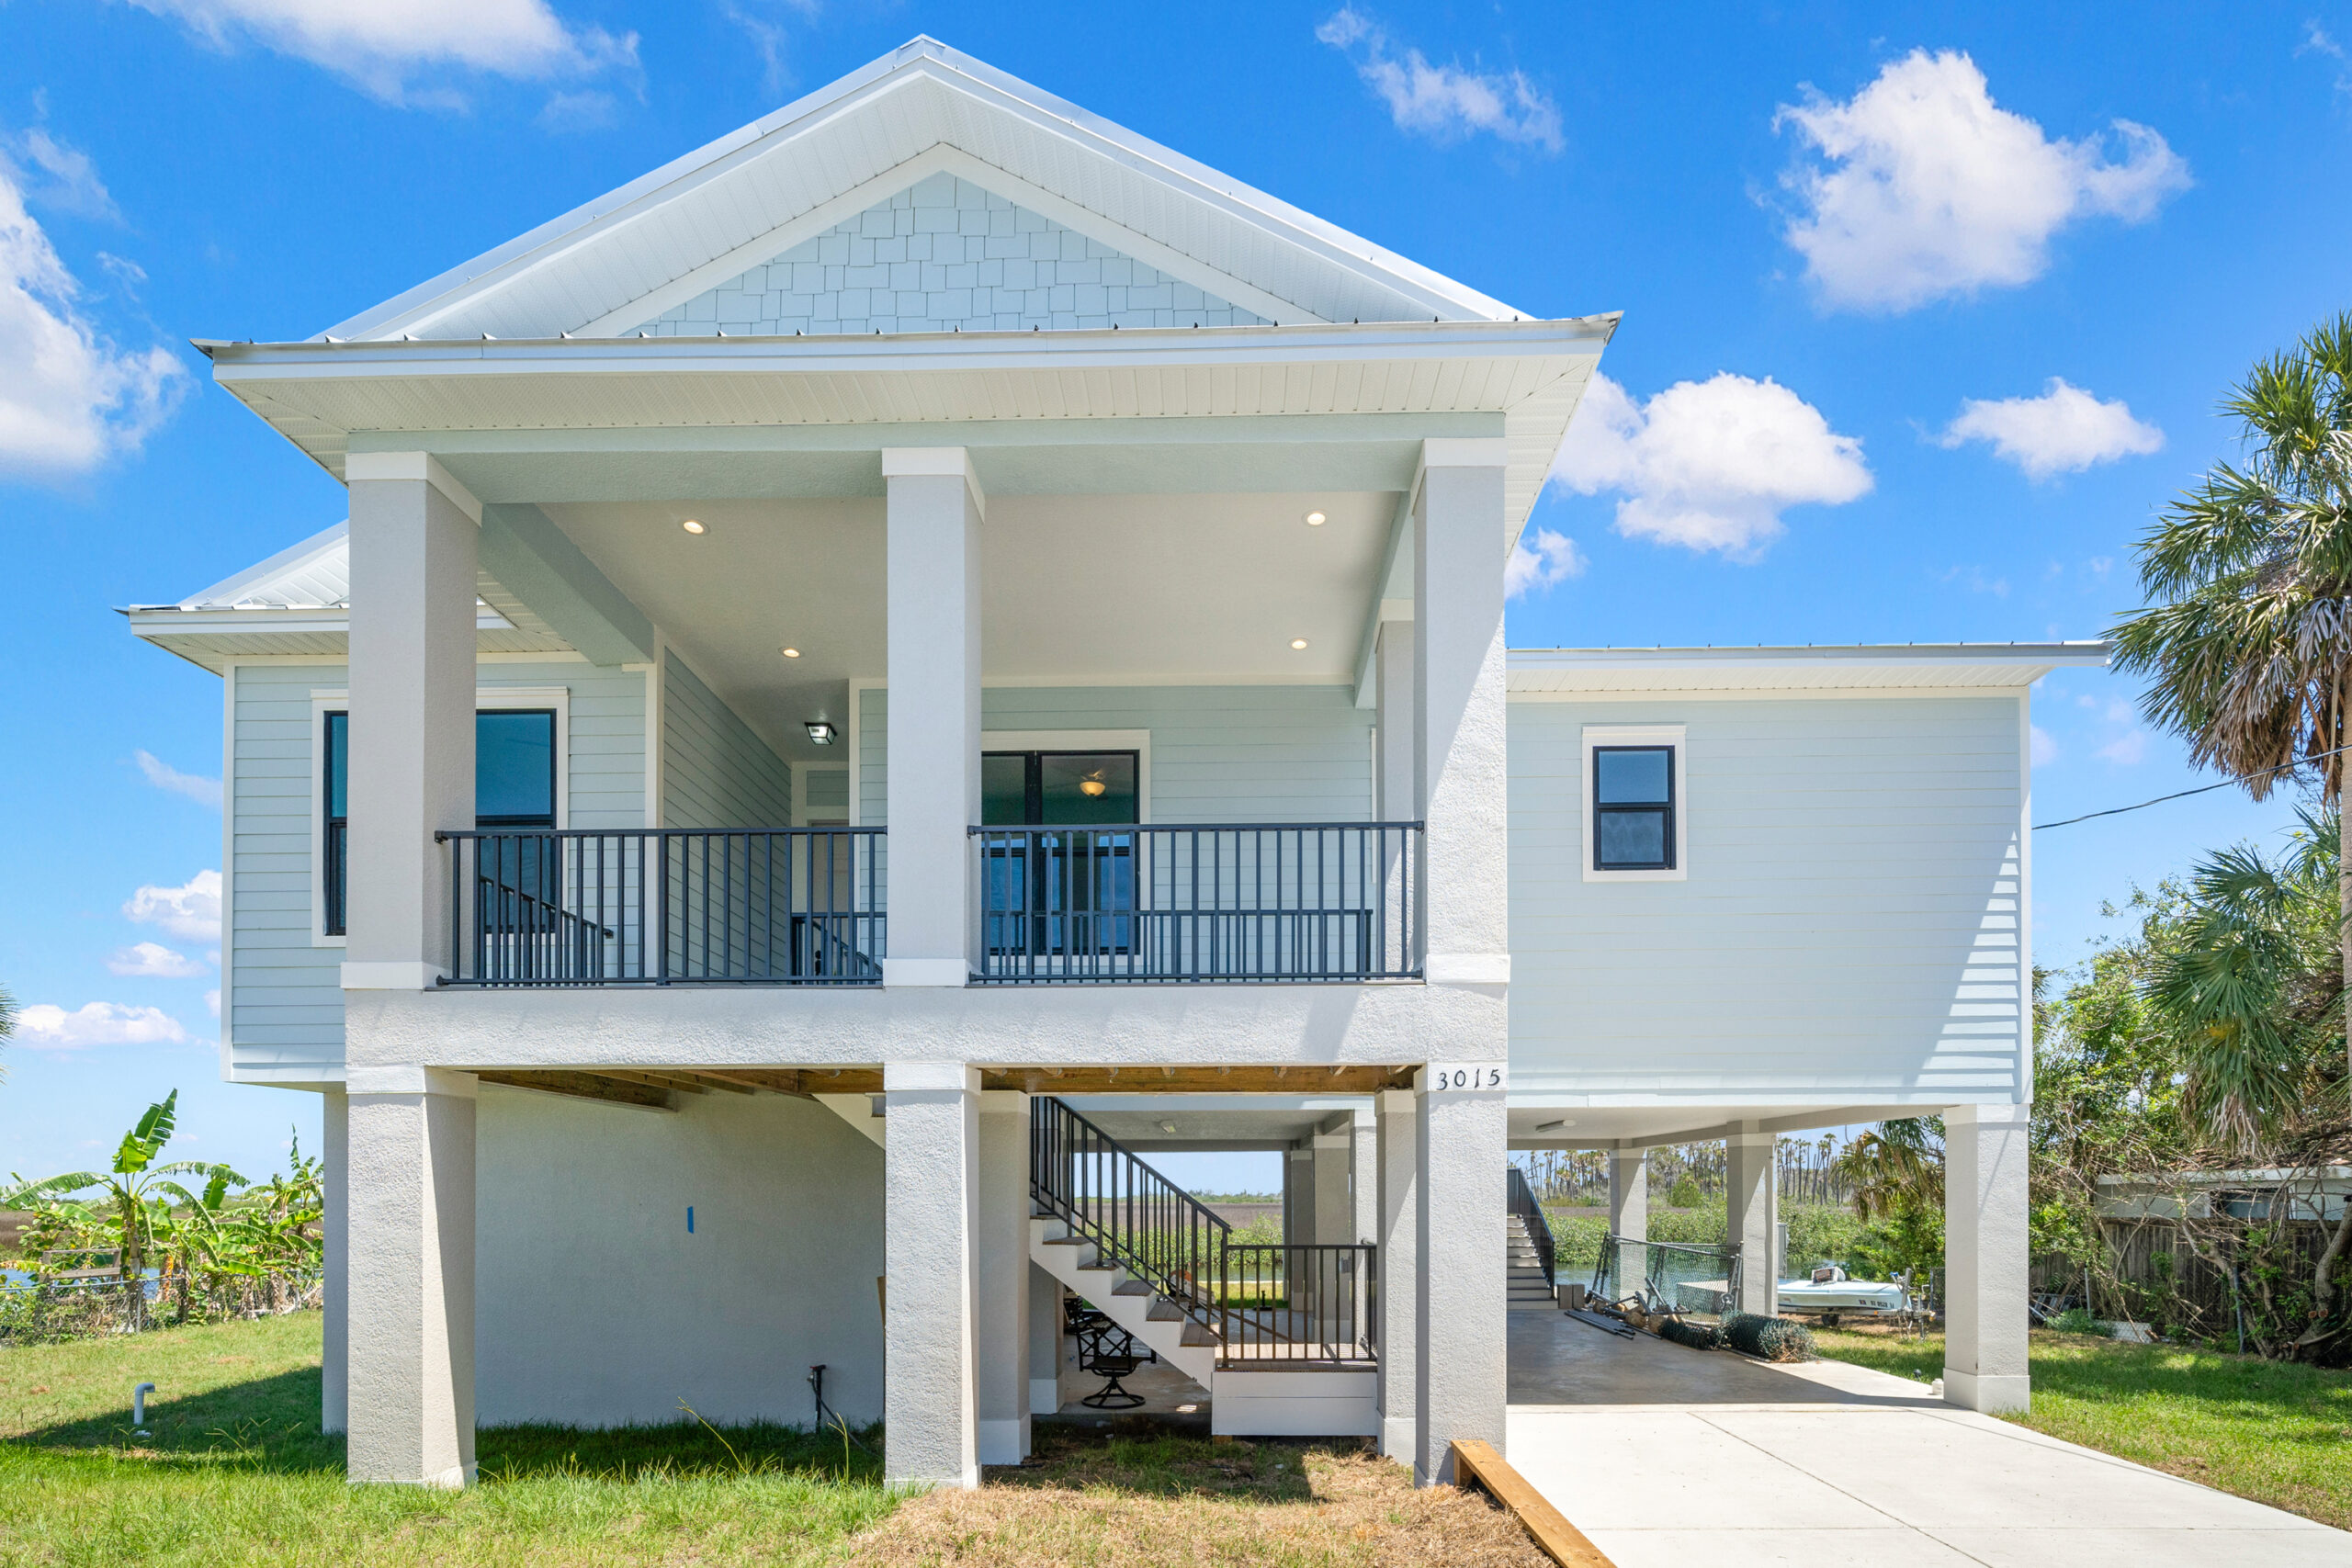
(715, 772)
(1218, 753)
(1848, 927)
(285, 1004)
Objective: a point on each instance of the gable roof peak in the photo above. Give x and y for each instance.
(922, 108)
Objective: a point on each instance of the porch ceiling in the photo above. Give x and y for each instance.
(1610, 1126)
(1076, 590)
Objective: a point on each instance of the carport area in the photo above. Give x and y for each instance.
(1666, 1457)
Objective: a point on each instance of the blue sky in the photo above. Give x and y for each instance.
(1927, 309)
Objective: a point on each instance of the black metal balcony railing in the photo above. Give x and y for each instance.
(774, 906)
(1277, 901)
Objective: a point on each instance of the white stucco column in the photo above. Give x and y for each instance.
(1398, 798)
(411, 1319)
(1045, 1342)
(1001, 1317)
(1335, 1206)
(335, 1261)
(1462, 765)
(1986, 1257)
(1462, 1321)
(930, 1166)
(1629, 1214)
(933, 636)
(1364, 1177)
(415, 534)
(1751, 1218)
(1298, 1196)
(1397, 1118)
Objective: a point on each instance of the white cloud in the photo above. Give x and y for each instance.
(191, 910)
(2063, 431)
(69, 399)
(163, 776)
(1542, 560)
(1708, 465)
(761, 23)
(1926, 187)
(1444, 103)
(52, 174)
(380, 44)
(2127, 749)
(2042, 748)
(154, 961)
(212, 1001)
(45, 1026)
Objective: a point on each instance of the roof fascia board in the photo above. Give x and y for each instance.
(1062, 352)
(924, 61)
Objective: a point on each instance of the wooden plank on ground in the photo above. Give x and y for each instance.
(1477, 1463)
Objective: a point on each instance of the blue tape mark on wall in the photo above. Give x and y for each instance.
(690, 1219)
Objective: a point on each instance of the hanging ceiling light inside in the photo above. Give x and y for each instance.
(819, 732)
(1092, 785)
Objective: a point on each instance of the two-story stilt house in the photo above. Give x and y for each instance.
(932, 647)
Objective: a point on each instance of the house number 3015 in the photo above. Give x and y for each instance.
(1466, 1077)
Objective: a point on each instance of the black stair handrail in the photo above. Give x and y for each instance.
(1135, 1216)
(1522, 1202)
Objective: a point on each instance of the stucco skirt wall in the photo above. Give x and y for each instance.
(597, 1307)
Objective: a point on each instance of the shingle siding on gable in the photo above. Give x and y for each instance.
(941, 254)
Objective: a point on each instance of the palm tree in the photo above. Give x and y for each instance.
(135, 1183)
(2248, 637)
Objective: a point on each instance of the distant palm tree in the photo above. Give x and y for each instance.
(7, 1023)
(2248, 637)
(135, 1183)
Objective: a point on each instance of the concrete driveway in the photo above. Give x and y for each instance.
(1667, 1457)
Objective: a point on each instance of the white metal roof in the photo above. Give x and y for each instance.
(922, 108)
(1536, 673)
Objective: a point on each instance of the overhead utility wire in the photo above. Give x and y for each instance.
(2182, 795)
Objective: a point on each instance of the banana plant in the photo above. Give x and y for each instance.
(136, 1188)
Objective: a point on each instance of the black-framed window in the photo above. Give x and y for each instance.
(514, 789)
(1067, 789)
(1632, 808)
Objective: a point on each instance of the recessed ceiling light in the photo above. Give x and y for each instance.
(789, 652)
(1298, 642)
(1314, 520)
(691, 526)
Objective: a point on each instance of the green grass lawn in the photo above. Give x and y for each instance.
(235, 1471)
(2272, 1431)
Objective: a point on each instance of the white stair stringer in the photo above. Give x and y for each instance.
(1131, 1309)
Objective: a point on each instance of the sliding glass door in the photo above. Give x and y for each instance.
(1066, 885)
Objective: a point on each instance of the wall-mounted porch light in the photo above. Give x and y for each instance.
(819, 732)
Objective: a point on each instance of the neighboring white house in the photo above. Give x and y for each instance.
(934, 647)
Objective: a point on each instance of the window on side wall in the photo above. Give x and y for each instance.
(1635, 813)
(514, 789)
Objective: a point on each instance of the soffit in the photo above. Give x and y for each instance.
(862, 138)
(1536, 673)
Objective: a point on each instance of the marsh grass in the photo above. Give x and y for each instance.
(2274, 1431)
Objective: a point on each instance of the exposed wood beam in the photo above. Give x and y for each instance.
(585, 1086)
(654, 1079)
(1196, 1080)
(719, 1081)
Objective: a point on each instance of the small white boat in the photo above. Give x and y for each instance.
(1829, 1290)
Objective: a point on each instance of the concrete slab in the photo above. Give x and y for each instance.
(1666, 1455)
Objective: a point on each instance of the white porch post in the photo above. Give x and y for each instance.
(1629, 1214)
(1751, 1218)
(1399, 739)
(415, 539)
(1986, 1257)
(1001, 1334)
(931, 1166)
(1363, 1179)
(1335, 1207)
(933, 641)
(334, 1262)
(1396, 1114)
(1461, 780)
(1045, 1342)
(410, 1323)
(1298, 1195)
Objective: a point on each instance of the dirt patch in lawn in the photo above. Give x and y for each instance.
(1159, 1499)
